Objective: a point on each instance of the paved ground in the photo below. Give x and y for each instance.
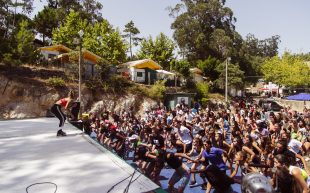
(31, 153)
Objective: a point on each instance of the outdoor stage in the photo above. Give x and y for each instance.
(31, 153)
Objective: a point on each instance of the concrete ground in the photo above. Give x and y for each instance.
(31, 154)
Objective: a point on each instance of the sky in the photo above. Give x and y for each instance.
(289, 19)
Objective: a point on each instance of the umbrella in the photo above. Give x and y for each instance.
(299, 97)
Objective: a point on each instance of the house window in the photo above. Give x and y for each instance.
(139, 74)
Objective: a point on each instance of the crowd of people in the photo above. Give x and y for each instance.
(220, 145)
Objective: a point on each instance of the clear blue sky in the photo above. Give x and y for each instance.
(288, 18)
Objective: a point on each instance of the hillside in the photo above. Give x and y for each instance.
(25, 93)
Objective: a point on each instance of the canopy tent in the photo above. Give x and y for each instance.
(146, 63)
(299, 97)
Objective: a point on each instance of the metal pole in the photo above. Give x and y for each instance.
(80, 76)
(226, 80)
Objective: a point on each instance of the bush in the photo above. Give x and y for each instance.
(138, 89)
(204, 101)
(56, 82)
(92, 84)
(202, 89)
(157, 91)
(115, 84)
(9, 60)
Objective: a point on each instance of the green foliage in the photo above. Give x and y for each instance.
(56, 82)
(131, 32)
(203, 28)
(25, 48)
(160, 50)
(115, 84)
(202, 89)
(9, 60)
(208, 67)
(138, 89)
(205, 34)
(91, 10)
(182, 67)
(289, 70)
(106, 42)
(202, 92)
(99, 38)
(157, 90)
(235, 76)
(204, 101)
(45, 21)
(67, 31)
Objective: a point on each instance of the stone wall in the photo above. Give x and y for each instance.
(28, 98)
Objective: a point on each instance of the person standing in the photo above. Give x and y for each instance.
(214, 155)
(56, 110)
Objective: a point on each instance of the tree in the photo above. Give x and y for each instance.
(8, 13)
(200, 21)
(131, 31)
(264, 48)
(182, 67)
(160, 50)
(106, 42)
(25, 37)
(235, 76)
(65, 4)
(208, 67)
(99, 38)
(290, 70)
(67, 31)
(25, 5)
(91, 10)
(45, 21)
(204, 29)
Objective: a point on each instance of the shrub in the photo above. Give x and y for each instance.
(138, 89)
(56, 82)
(202, 89)
(9, 60)
(204, 101)
(157, 90)
(115, 84)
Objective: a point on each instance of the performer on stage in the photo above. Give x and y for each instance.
(56, 110)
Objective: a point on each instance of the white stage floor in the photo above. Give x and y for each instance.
(31, 153)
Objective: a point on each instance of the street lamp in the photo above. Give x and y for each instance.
(226, 78)
(79, 41)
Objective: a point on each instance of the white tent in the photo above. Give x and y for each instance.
(163, 74)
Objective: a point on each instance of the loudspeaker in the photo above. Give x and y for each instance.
(75, 109)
